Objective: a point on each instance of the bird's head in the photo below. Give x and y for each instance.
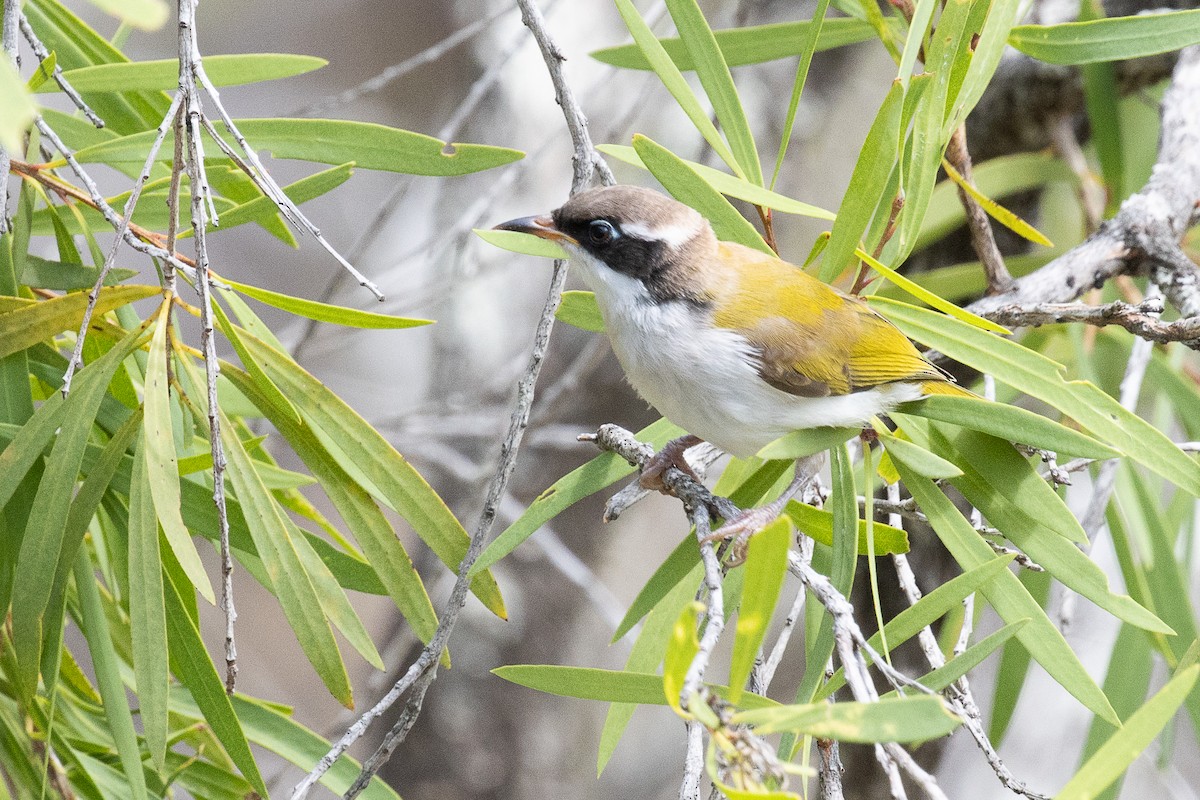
(626, 232)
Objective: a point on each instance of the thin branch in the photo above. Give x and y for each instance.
(714, 623)
(585, 158)
(201, 197)
(94, 295)
(8, 42)
(982, 237)
(397, 71)
(1140, 319)
(1091, 191)
(263, 180)
(959, 693)
(1146, 231)
(693, 762)
(829, 770)
(423, 671)
(43, 54)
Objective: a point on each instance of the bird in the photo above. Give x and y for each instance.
(735, 346)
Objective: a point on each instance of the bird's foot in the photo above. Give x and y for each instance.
(741, 528)
(670, 456)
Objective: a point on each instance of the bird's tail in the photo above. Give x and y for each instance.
(945, 388)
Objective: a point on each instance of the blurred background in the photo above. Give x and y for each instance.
(443, 393)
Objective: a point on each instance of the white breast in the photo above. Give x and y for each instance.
(705, 379)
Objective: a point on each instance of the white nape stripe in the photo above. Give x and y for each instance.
(674, 235)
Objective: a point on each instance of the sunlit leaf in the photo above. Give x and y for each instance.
(1115, 756)
(324, 312)
(161, 459)
(163, 74)
(907, 719)
(1112, 39)
(766, 564)
(18, 105)
(752, 44)
(368, 145)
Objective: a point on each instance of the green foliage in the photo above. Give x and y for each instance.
(103, 491)
(120, 469)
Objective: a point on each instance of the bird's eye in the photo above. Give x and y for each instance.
(601, 232)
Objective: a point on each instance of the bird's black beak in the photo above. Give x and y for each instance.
(541, 227)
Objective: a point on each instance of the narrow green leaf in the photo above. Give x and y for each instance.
(41, 546)
(1112, 39)
(580, 310)
(67, 277)
(1010, 422)
(812, 39)
(914, 42)
(602, 471)
(987, 51)
(161, 460)
(897, 719)
(1002, 484)
(806, 442)
(333, 600)
(324, 312)
(292, 582)
(930, 608)
(752, 44)
(108, 676)
(163, 74)
(1014, 663)
(262, 209)
(842, 563)
(371, 460)
(1042, 378)
(681, 652)
(817, 524)
(147, 612)
(1011, 601)
(718, 84)
(1126, 683)
(1127, 743)
(867, 183)
(928, 297)
(996, 211)
(524, 243)
(326, 141)
(191, 664)
(644, 656)
(31, 323)
(727, 184)
(675, 83)
(917, 458)
(18, 105)
(587, 683)
(264, 384)
(384, 551)
(766, 564)
(973, 656)
(686, 186)
(614, 686)
(949, 45)
(43, 72)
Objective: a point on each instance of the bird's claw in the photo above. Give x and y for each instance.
(671, 455)
(740, 530)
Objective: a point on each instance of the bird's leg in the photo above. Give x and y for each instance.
(741, 527)
(670, 456)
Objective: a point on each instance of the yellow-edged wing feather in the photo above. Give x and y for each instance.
(812, 339)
